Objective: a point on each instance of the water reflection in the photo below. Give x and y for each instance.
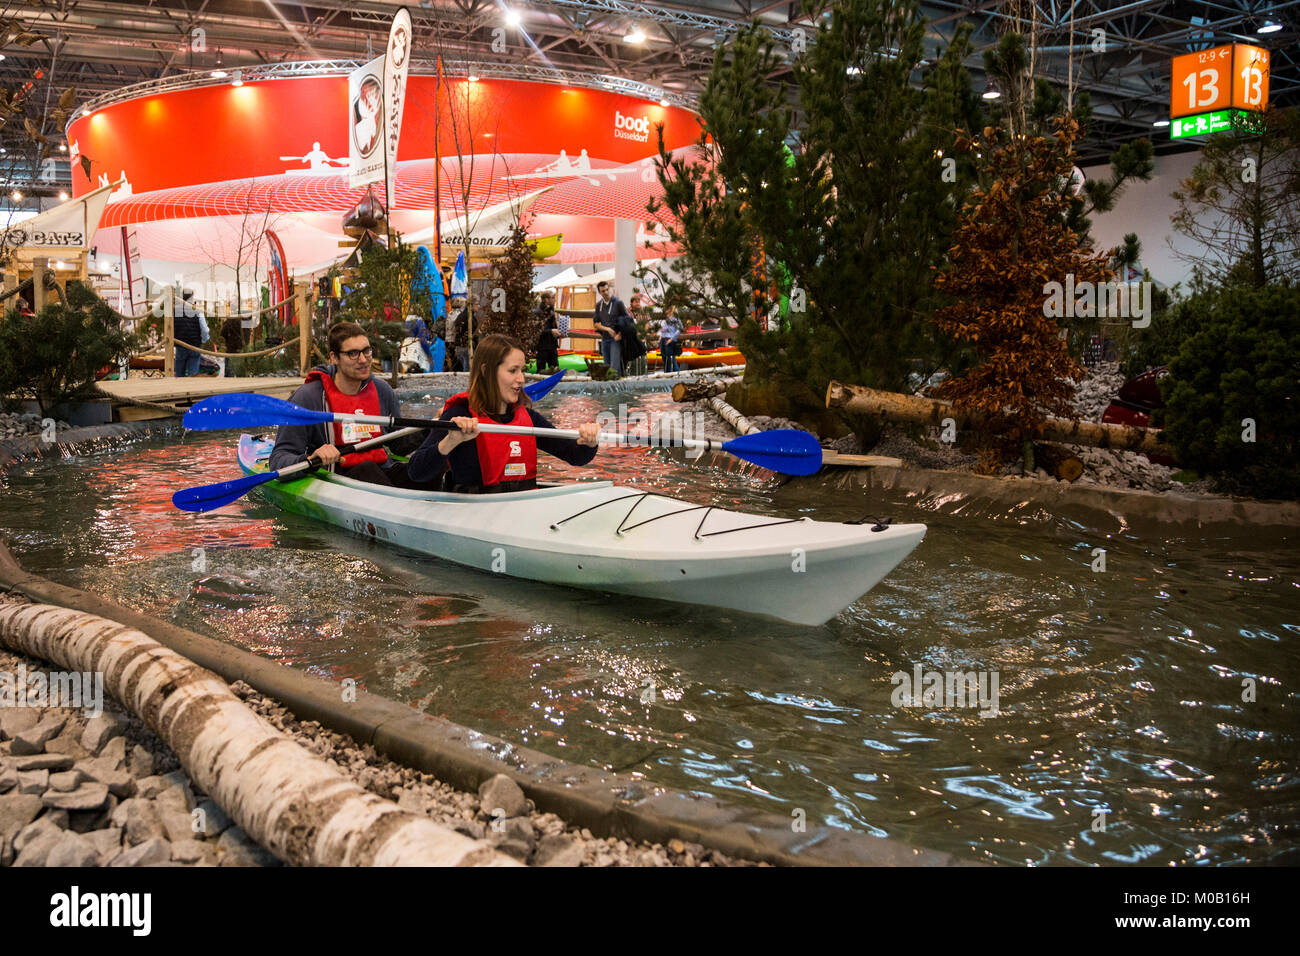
(1121, 693)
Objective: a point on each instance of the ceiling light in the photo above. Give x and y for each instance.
(63, 147)
(991, 91)
(219, 74)
(473, 78)
(2, 56)
(63, 194)
(663, 101)
(512, 18)
(637, 35)
(1161, 122)
(1269, 26)
(16, 196)
(239, 78)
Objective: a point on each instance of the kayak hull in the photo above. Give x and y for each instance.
(699, 358)
(604, 537)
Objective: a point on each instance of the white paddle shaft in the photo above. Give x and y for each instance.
(604, 438)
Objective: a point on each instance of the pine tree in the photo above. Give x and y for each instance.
(1013, 239)
(849, 227)
(384, 280)
(509, 307)
(53, 357)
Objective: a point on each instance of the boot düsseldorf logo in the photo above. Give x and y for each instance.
(635, 128)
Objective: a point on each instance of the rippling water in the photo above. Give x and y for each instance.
(1121, 733)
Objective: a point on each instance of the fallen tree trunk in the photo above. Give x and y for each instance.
(913, 409)
(1058, 462)
(699, 390)
(297, 805)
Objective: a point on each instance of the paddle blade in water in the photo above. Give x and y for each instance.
(248, 410)
(536, 390)
(210, 497)
(787, 450)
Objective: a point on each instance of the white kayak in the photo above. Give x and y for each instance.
(606, 537)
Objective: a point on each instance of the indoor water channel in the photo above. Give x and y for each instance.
(1120, 735)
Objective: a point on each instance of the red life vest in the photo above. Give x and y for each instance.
(365, 402)
(503, 458)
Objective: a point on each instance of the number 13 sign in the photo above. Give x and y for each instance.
(1235, 75)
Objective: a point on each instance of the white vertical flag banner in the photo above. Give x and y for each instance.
(366, 123)
(397, 62)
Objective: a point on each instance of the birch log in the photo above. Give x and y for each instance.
(295, 804)
(739, 422)
(892, 406)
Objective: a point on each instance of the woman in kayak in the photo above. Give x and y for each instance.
(480, 462)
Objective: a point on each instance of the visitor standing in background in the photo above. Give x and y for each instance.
(634, 337)
(548, 334)
(187, 327)
(670, 330)
(610, 312)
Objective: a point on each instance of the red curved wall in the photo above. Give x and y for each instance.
(219, 133)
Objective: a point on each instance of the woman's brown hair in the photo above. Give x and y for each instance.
(484, 392)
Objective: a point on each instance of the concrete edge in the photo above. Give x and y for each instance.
(31, 446)
(607, 804)
(1121, 506)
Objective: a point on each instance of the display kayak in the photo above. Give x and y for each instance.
(700, 358)
(605, 537)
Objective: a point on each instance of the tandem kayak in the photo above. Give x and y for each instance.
(605, 537)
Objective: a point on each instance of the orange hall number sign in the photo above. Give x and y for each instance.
(1227, 76)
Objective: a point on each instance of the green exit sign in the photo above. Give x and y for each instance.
(1203, 124)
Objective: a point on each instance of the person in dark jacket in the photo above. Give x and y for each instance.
(345, 385)
(482, 462)
(548, 334)
(186, 329)
(610, 312)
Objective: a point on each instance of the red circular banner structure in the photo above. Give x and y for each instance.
(277, 150)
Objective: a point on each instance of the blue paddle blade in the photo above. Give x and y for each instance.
(786, 450)
(536, 390)
(210, 497)
(248, 410)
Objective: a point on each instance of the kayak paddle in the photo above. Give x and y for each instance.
(211, 497)
(785, 450)
(536, 390)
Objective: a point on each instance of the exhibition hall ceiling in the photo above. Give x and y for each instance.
(1121, 49)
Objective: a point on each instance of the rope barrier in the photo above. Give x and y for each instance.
(233, 315)
(195, 348)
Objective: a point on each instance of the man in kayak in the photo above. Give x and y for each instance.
(483, 463)
(345, 385)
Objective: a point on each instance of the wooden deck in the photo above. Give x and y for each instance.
(180, 393)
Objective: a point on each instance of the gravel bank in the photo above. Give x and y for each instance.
(105, 791)
(1102, 466)
(19, 424)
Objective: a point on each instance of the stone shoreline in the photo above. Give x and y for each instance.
(105, 791)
